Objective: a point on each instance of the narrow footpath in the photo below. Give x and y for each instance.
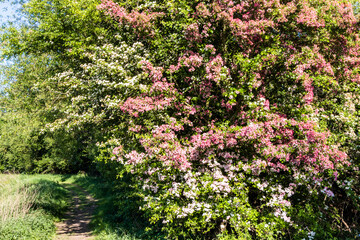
(77, 219)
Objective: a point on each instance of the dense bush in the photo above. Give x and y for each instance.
(245, 118)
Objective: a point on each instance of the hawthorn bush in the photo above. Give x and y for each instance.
(243, 120)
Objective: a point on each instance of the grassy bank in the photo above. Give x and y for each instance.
(29, 206)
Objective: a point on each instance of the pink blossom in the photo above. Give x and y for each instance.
(134, 157)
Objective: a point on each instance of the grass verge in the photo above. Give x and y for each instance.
(29, 205)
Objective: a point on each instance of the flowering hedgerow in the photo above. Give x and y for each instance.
(247, 116)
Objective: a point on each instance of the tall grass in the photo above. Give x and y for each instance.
(16, 199)
(29, 206)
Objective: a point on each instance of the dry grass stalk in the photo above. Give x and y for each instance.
(16, 198)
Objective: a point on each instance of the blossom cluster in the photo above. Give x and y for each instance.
(96, 90)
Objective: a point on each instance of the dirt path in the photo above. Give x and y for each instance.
(76, 225)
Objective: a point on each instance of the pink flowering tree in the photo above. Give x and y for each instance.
(245, 119)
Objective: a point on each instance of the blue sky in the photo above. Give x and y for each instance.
(7, 11)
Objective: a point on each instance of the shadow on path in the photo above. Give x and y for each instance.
(77, 219)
